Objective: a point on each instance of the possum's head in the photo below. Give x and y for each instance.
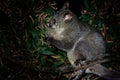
(60, 22)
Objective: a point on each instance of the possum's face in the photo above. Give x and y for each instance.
(59, 23)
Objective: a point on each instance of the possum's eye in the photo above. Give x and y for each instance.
(54, 21)
(53, 24)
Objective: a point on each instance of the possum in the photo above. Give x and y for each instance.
(81, 41)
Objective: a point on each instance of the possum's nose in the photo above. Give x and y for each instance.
(49, 25)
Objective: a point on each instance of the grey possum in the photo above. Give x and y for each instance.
(80, 40)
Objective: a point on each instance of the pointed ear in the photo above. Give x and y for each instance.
(68, 17)
(66, 5)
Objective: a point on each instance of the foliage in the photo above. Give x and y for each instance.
(23, 49)
(24, 53)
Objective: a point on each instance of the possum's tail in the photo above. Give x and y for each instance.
(103, 72)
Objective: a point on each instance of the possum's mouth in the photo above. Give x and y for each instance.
(55, 31)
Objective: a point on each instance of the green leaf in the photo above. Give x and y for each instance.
(49, 11)
(45, 51)
(58, 64)
(34, 33)
(85, 17)
(42, 30)
(100, 24)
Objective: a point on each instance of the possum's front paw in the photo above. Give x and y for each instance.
(79, 62)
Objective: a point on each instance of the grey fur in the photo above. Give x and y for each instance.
(77, 38)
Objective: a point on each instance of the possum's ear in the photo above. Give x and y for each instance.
(68, 16)
(66, 5)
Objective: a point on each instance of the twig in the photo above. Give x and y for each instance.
(71, 69)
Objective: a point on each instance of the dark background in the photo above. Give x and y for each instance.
(75, 6)
(24, 51)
